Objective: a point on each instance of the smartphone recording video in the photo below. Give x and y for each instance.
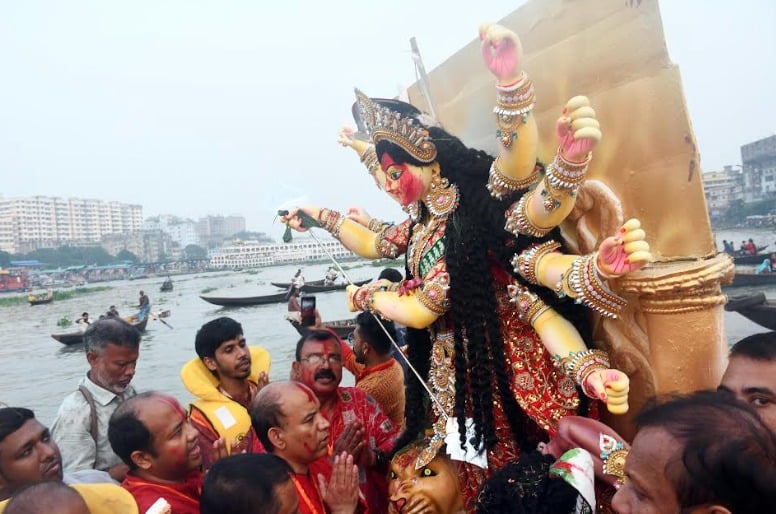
(308, 311)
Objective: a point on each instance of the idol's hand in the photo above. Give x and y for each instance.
(295, 222)
(502, 52)
(351, 291)
(347, 136)
(578, 129)
(358, 215)
(625, 252)
(610, 386)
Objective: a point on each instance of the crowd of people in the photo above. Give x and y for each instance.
(310, 445)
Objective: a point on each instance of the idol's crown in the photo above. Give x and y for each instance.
(381, 122)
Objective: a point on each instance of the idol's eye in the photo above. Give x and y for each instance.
(395, 174)
(427, 472)
(392, 476)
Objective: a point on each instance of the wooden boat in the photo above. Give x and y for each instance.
(71, 338)
(39, 299)
(242, 301)
(747, 277)
(316, 286)
(752, 259)
(756, 307)
(166, 286)
(342, 327)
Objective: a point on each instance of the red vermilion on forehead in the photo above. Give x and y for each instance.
(306, 391)
(386, 161)
(173, 403)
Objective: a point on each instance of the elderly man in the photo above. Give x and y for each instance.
(153, 437)
(706, 453)
(81, 426)
(377, 372)
(225, 377)
(287, 419)
(751, 374)
(358, 425)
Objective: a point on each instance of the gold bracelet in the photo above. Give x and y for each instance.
(518, 221)
(528, 304)
(500, 185)
(525, 264)
(384, 247)
(582, 283)
(433, 296)
(375, 224)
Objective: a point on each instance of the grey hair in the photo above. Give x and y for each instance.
(110, 331)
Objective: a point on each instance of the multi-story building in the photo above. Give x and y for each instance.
(759, 159)
(254, 254)
(722, 188)
(148, 245)
(212, 230)
(182, 231)
(29, 223)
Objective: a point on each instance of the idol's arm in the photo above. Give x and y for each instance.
(414, 303)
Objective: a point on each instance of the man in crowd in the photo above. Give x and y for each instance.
(705, 453)
(151, 434)
(83, 322)
(81, 426)
(287, 419)
(28, 455)
(225, 377)
(47, 497)
(751, 374)
(377, 373)
(240, 483)
(358, 425)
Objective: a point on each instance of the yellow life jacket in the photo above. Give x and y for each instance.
(230, 419)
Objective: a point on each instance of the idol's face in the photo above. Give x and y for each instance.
(405, 183)
(432, 489)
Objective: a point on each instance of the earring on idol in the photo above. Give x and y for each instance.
(442, 199)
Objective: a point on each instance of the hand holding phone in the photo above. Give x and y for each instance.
(308, 311)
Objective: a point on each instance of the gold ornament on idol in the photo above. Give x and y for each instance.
(442, 198)
(383, 123)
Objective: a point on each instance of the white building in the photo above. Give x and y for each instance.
(253, 254)
(28, 223)
(182, 231)
(722, 188)
(759, 159)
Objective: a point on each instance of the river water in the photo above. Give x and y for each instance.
(37, 371)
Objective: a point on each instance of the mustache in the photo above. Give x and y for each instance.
(325, 373)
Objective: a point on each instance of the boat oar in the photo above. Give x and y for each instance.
(157, 318)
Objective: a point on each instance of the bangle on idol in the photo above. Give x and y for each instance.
(383, 246)
(579, 365)
(529, 306)
(526, 263)
(519, 222)
(369, 159)
(513, 105)
(360, 298)
(583, 283)
(375, 224)
(433, 296)
(500, 185)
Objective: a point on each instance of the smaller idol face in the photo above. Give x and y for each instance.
(433, 488)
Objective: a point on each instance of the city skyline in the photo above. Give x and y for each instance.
(190, 110)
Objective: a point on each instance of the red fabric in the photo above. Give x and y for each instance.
(355, 405)
(310, 501)
(182, 497)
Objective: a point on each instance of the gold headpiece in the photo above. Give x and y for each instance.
(380, 122)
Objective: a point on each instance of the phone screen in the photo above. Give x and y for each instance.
(308, 311)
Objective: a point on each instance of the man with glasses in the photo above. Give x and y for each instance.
(377, 372)
(358, 425)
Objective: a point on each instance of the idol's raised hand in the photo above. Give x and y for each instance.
(611, 387)
(294, 220)
(577, 129)
(625, 252)
(502, 52)
(346, 136)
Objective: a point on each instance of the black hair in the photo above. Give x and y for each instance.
(12, 419)
(726, 454)
(42, 497)
(215, 333)
(107, 331)
(759, 347)
(525, 487)
(313, 335)
(127, 433)
(266, 413)
(476, 242)
(372, 333)
(391, 274)
(241, 484)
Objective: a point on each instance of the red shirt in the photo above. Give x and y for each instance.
(310, 500)
(182, 497)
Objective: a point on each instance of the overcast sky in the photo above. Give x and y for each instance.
(232, 106)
